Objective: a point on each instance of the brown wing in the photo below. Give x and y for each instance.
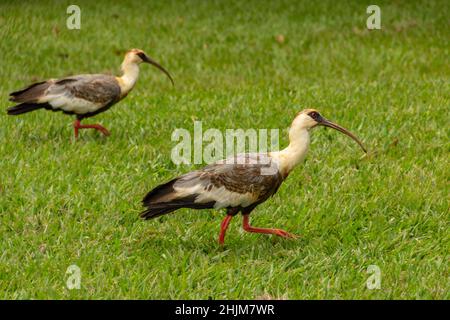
(82, 94)
(99, 89)
(239, 181)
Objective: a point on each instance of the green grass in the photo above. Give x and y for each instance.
(64, 203)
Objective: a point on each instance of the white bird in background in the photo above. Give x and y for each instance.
(83, 95)
(239, 183)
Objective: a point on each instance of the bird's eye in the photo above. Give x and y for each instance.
(315, 116)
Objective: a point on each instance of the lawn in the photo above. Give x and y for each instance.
(236, 64)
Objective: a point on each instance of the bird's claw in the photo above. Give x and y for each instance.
(105, 132)
(285, 234)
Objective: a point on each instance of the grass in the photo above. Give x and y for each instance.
(64, 203)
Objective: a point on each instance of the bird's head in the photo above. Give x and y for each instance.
(137, 56)
(310, 118)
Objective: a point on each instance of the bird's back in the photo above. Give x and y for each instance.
(95, 88)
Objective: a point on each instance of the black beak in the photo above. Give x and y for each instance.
(327, 123)
(147, 59)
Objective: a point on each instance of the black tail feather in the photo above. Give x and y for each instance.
(157, 210)
(163, 200)
(24, 108)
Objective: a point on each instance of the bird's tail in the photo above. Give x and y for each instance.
(28, 98)
(164, 199)
(23, 108)
(31, 93)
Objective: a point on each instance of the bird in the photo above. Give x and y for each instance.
(241, 182)
(84, 95)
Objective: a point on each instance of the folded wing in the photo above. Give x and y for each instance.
(237, 182)
(81, 95)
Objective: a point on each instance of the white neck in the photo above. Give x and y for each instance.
(130, 75)
(295, 152)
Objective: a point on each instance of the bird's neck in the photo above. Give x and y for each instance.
(295, 152)
(129, 77)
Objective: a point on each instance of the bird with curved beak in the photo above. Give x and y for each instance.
(83, 95)
(241, 182)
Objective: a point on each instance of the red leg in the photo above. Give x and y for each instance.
(247, 227)
(77, 125)
(223, 228)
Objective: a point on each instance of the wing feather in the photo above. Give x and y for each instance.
(81, 94)
(239, 181)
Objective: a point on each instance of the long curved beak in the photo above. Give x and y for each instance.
(327, 123)
(147, 59)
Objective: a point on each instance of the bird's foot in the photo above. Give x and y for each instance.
(278, 232)
(100, 128)
(77, 125)
(284, 234)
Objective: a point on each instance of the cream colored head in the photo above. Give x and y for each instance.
(305, 119)
(310, 118)
(137, 56)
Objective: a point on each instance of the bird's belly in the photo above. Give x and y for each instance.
(75, 105)
(225, 198)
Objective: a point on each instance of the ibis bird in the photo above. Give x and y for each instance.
(241, 182)
(83, 95)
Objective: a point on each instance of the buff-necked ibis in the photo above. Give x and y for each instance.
(241, 182)
(83, 95)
